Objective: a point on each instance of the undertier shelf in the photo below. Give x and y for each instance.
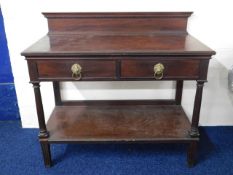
(122, 123)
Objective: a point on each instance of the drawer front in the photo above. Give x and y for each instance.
(90, 69)
(173, 69)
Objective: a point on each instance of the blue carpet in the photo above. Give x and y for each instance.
(8, 100)
(20, 154)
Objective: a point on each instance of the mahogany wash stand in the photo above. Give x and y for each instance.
(118, 47)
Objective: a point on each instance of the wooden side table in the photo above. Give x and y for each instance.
(118, 47)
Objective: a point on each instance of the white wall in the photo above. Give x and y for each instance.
(210, 23)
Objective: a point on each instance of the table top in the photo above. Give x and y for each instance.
(118, 44)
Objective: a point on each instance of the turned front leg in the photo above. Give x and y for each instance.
(43, 134)
(194, 133)
(196, 110)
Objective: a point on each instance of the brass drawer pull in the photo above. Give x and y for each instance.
(158, 71)
(76, 70)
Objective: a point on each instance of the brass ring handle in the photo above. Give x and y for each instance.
(158, 71)
(76, 70)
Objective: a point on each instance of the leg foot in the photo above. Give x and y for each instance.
(191, 155)
(45, 146)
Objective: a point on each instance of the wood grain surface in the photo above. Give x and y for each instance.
(111, 45)
(118, 123)
(121, 47)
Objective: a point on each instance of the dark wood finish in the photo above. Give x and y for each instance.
(62, 69)
(117, 102)
(196, 110)
(203, 69)
(179, 90)
(57, 93)
(40, 111)
(173, 70)
(117, 22)
(192, 153)
(118, 123)
(43, 134)
(118, 69)
(32, 69)
(45, 147)
(118, 47)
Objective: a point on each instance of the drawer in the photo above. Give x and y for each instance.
(90, 69)
(173, 69)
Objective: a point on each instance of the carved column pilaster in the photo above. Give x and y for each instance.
(196, 110)
(40, 111)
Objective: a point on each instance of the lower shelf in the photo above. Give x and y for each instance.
(139, 123)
